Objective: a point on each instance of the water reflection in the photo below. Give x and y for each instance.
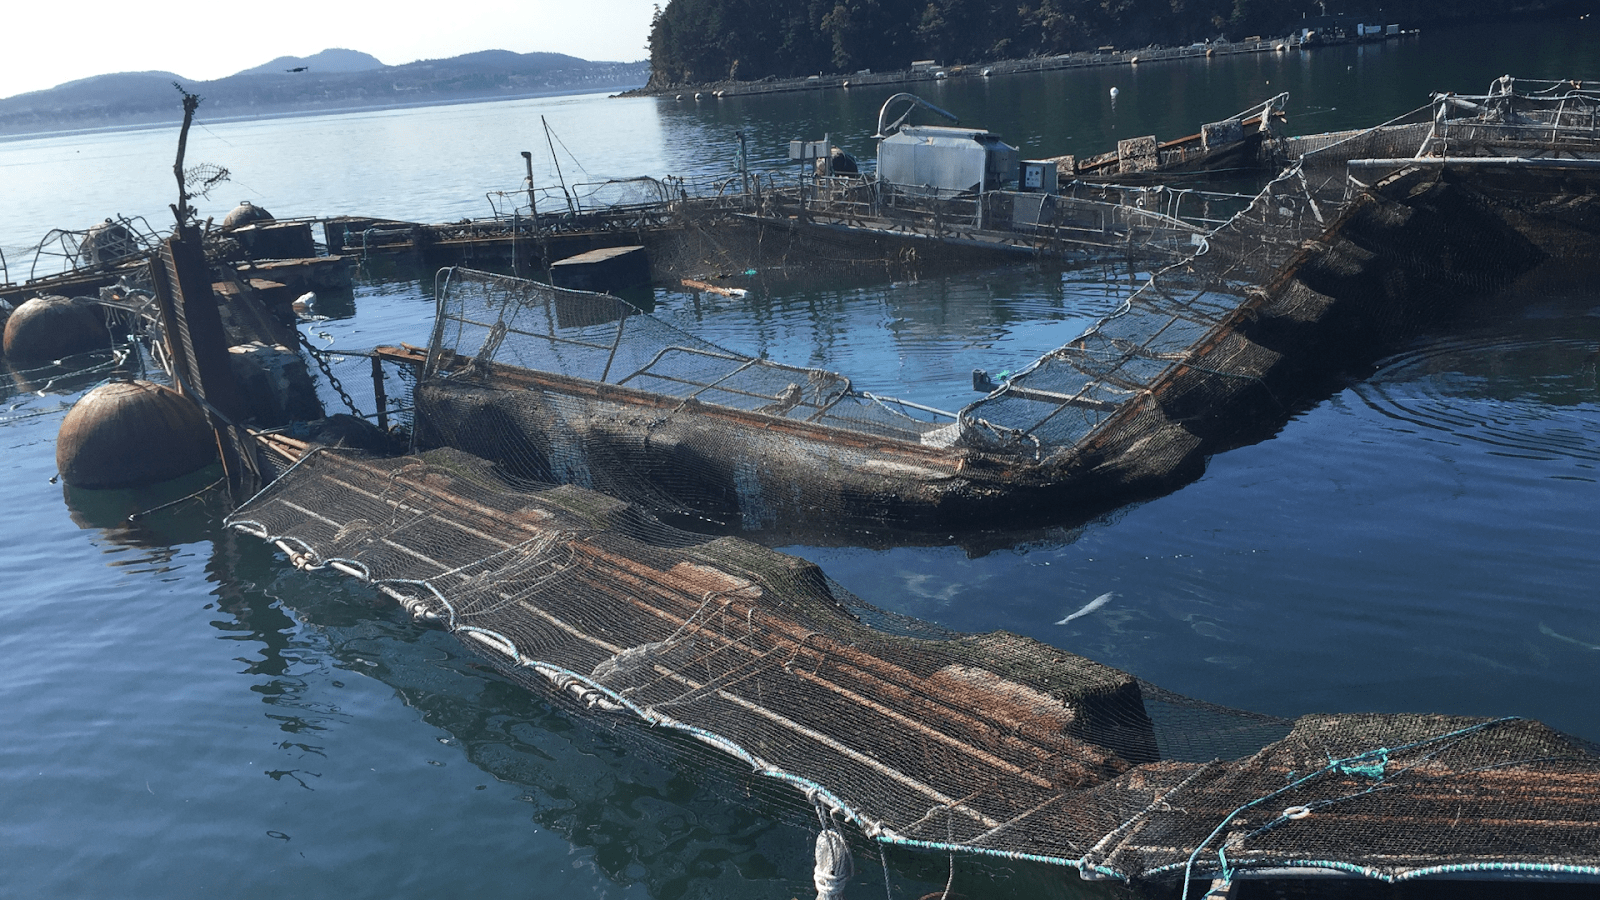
(157, 517)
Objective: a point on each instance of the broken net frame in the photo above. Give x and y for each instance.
(101, 247)
(1364, 237)
(991, 744)
(559, 385)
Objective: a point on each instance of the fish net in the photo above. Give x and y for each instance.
(567, 386)
(564, 438)
(985, 743)
(1359, 243)
(574, 387)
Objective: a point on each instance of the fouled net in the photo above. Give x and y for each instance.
(1363, 239)
(554, 426)
(566, 386)
(987, 743)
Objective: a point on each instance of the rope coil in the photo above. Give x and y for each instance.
(834, 867)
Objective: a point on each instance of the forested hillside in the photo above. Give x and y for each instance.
(697, 41)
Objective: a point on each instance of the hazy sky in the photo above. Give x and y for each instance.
(53, 43)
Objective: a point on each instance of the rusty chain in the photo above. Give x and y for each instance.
(321, 358)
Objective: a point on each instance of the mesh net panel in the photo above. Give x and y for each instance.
(567, 386)
(991, 743)
(559, 385)
(532, 400)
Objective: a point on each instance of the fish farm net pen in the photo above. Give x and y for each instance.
(990, 743)
(561, 438)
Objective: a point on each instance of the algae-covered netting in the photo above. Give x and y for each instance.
(568, 386)
(991, 743)
(1361, 240)
(1321, 269)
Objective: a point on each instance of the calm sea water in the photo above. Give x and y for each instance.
(184, 714)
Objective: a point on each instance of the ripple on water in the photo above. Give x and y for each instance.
(1519, 395)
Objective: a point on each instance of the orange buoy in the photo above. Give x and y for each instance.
(132, 434)
(46, 329)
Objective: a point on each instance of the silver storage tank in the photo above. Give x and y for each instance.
(941, 161)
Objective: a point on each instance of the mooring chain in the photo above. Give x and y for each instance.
(327, 371)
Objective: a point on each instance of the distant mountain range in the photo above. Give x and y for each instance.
(326, 62)
(330, 80)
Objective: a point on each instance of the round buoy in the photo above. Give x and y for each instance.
(46, 329)
(132, 434)
(104, 243)
(1114, 93)
(246, 213)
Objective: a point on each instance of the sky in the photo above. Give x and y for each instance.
(52, 44)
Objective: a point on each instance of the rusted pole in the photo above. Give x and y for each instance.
(380, 396)
(191, 102)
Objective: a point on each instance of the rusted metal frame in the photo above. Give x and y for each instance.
(188, 304)
(421, 514)
(487, 515)
(515, 377)
(1039, 747)
(380, 393)
(655, 583)
(533, 334)
(892, 680)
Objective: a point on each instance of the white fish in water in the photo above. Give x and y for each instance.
(1089, 607)
(1551, 632)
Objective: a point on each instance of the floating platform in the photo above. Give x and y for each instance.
(1224, 148)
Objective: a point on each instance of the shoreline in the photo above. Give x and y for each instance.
(1077, 60)
(139, 123)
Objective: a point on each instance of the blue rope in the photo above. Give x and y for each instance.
(1354, 766)
(1359, 764)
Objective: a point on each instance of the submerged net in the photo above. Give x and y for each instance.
(989, 743)
(565, 386)
(530, 399)
(1362, 240)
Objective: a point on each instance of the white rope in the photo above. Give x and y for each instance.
(834, 868)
